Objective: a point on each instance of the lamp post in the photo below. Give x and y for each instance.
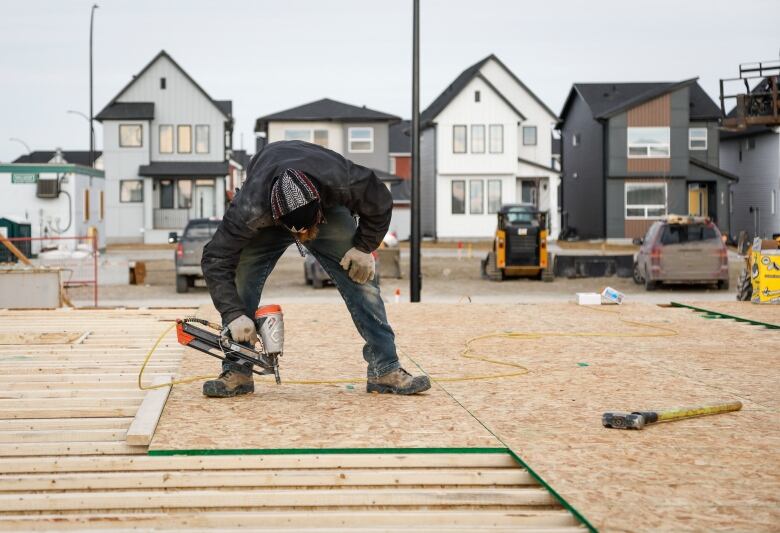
(415, 278)
(85, 117)
(14, 139)
(91, 117)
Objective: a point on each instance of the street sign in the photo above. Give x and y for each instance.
(24, 178)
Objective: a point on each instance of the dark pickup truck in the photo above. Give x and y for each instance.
(189, 250)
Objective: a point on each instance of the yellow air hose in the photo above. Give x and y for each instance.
(467, 353)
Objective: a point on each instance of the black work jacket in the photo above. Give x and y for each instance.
(339, 181)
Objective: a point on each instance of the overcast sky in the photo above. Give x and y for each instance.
(271, 55)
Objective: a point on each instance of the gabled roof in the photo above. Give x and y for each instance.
(401, 137)
(127, 111)
(325, 110)
(460, 83)
(538, 165)
(75, 157)
(606, 100)
(224, 106)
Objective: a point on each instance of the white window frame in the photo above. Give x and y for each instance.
(464, 182)
(647, 146)
(465, 138)
(665, 206)
(160, 136)
(530, 128)
(474, 127)
(692, 137)
(195, 139)
(350, 140)
(471, 205)
(491, 128)
(500, 195)
(141, 136)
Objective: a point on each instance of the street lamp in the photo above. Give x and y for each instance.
(14, 139)
(415, 277)
(91, 116)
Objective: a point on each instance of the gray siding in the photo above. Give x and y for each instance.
(583, 196)
(379, 158)
(618, 145)
(720, 210)
(759, 174)
(709, 156)
(678, 135)
(616, 198)
(428, 182)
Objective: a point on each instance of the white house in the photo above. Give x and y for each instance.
(486, 141)
(165, 152)
(56, 199)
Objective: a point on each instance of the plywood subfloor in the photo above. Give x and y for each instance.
(709, 473)
(65, 465)
(37, 337)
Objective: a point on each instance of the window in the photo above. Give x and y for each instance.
(458, 197)
(86, 205)
(131, 135)
(166, 139)
(496, 138)
(201, 229)
(185, 193)
(131, 191)
(317, 136)
(392, 165)
(476, 197)
(697, 138)
(682, 233)
(476, 96)
(184, 134)
(648, 142)
(321, 138)
(478, 139)
(167, 193)
(162, 83)
(645, 200)
(459, 139)
(102, 205)
(494, 196)
(529, 135)
(575, 139)
(361, 140)
(202, 139)
(528, 192)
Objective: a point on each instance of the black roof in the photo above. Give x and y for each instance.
(75, 157)
(401, 137)
(184, 169)
(608, 99)
(127, 111)
(326, 110)
(463, 79)
(224, 106)
(401, 191)
(715, 170)
(537, 165)
(242, 158)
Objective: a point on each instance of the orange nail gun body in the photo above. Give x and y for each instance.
(270, 330)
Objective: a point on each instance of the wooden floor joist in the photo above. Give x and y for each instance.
(67, 463)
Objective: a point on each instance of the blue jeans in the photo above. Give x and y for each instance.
(363, 301)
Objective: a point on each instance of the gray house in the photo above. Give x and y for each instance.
(635, 152)
(753, 153)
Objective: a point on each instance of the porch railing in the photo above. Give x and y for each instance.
(170, 218)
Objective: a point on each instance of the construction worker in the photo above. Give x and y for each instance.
(301, 193)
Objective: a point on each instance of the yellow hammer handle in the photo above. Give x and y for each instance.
(689, 412)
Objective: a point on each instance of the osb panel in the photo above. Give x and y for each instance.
(768, 313)
(320, 344)
(699, 474)
(656, 112)
(649, 164)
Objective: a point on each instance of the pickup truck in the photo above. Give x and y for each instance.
(189, 250)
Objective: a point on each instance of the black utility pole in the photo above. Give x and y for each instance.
(415, 278)
(91, 117)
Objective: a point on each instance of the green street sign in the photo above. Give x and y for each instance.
(24, 178)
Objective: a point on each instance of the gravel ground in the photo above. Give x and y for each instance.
(445, 279)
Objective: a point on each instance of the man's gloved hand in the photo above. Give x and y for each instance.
(242, 329)
(360, 265)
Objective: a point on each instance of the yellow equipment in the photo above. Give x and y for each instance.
(520, 245)
(759, 280)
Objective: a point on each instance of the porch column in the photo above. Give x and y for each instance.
(219, 196)
(148, 207)
(555, 216)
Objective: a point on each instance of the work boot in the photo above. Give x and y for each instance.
(399, 381)
(230, 382)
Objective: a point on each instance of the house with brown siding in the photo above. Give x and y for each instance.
(635, 152)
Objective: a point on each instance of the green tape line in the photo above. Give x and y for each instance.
(326, 451)
(709, 314)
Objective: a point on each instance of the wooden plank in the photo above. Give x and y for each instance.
(75, 412)
(142, 429)
(30, 338)
(234, 462)
(68, 403)
(267, 478)
(128, 393)
(39, 424)
(68, 448)
(70, 435)
(209, 498)
(551, 521)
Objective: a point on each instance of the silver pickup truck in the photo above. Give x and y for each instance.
(189, 250)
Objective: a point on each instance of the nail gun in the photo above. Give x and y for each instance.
(270, 330)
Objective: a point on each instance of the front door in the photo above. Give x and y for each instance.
(527, 192)
(698, 199)
(204, 199)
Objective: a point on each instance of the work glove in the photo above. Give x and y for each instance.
(360, 265)
(242, 329)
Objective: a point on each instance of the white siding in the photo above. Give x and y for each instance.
(455, 226)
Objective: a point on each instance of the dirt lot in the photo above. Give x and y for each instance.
(445, 279)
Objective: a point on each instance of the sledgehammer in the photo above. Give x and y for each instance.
(640, 419)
